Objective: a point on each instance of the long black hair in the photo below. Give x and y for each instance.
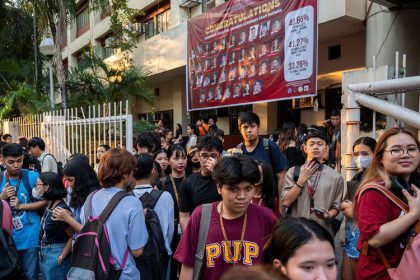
(267, 184)
(85, 180)
(56, 188)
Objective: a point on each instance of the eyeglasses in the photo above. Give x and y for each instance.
(206, 156)
(398, 152)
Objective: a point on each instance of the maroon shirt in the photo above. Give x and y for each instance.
(373, 210)
(260, 224)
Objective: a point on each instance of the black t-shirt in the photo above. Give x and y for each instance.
(167, 186)
(197, 190)
(53, 232)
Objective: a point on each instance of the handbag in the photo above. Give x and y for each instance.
(409, 266)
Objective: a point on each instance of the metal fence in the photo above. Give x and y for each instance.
(79, 130)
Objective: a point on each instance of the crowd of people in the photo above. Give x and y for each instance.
(189, 208)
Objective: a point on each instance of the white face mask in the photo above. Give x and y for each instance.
(363, 162)
(36, 195)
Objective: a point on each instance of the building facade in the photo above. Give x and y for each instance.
(162, 50)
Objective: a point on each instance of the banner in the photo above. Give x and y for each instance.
(249, 51)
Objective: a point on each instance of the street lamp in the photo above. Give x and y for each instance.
(47, 48)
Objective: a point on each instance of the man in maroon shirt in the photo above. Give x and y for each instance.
(239, 229)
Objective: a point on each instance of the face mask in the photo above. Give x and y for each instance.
(36, 194)
(69, 190)
(362, 162)
(195, 164)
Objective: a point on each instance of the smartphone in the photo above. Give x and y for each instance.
(317, 163)
(319, 211)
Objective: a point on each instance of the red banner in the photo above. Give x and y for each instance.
(250, 51)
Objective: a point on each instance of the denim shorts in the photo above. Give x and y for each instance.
(50, 268)
(352, 236)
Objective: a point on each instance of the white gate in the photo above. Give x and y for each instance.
(80, 130)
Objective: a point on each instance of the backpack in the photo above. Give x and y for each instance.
(266, 145)
(25, 181)
(60, 167)
(409, 266)
(202, 238)
(153, 263)
(9, 257)
(92, 258)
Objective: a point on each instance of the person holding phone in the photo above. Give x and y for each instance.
(315, 190)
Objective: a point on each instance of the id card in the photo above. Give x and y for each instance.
(17, 223)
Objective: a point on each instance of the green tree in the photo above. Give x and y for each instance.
(95, 82)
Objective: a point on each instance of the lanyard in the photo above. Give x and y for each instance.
(230, 255)
(174, 188)
(312, 188)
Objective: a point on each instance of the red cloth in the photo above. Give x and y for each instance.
(261, 222)
(7, 217)
(373, 210)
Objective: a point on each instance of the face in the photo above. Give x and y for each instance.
(211, 121)
(204, 157)
(250, 132)
(100, 152)
(237, 90)
(315, 148)
(396, 159)
(314, 260)
(13, 165)
(238, 197)
(263, 67)
(257, 87)
(362, 150)
(164, 144)
(335, 121)
(162, 159)
(189, 130)
(68, 181)
(178, 162)
(8, 140)
(34, 151)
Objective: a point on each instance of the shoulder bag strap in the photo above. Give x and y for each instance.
(112, 204)
(202, 238)
(26, 184)
(388, 194)
(156, 195)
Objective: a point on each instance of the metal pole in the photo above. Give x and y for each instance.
(51, 84)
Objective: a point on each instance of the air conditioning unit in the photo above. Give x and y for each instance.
(109, 41)
(138, 28)
(189, 3)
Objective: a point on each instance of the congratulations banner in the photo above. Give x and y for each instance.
(249, 51)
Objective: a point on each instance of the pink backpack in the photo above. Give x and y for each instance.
(409, 267)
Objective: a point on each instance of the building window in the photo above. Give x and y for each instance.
(334, 52)
(82, 19)
(158, 24)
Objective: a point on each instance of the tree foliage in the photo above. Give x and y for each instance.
(95, 82)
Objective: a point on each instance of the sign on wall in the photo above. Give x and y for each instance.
(249, 51)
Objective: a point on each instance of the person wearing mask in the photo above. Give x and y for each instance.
(362, 154)
(164, 206)
(315, 190)
(18, 188)
(193, 164)
(80, 180)
(232, 220)
(383, 226)
(102, 149)
(55, 237)
(302, 249)
(200, 187)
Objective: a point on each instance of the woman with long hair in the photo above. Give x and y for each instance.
(80, 180)
(102, 149)
(289, 146)
(383, 226)
(161, 157)
(362, 154)
(263, 195)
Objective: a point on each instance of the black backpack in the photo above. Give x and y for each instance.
(92, 258)
(9, 257)
(153, 263)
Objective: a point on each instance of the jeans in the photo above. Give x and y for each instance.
(29, 262)
(50, 268)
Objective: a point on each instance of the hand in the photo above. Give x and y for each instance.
(325, 216)
(60, 214)
(60, 260)
(7, 192)
(413, 201)
(347, 208)
(306, 172)
(14, 202)
(210, 163)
